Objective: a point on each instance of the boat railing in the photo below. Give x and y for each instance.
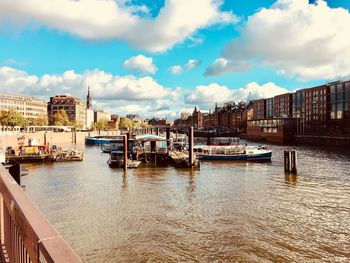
(26, 236)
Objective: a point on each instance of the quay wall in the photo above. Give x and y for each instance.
(58, 138)
(322, 140)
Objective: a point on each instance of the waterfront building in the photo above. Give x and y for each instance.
(318, 111)
(113, 124)
(135, 118)
(31, 108)
(197, 119)
(102, 114)
(89, 118)
(74, 107)
(159, 122)
(231, 116)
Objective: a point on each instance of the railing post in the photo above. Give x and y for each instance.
(190, 146)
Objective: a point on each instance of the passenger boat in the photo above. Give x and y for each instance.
(99, 140)
(237, 152)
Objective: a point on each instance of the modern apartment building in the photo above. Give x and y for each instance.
(74, 107)
(318, 111)
(31, 108)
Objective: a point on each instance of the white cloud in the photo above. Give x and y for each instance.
(255, 91)
(177, 69)
(192, 63)
(140, 64)
(207, 96)
(120, 20)
(103, 85)
(298, 39)
(119, 94)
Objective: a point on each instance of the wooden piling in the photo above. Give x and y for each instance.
(290, 162)
(286, 161)
(125, 144)
(293, 162)
(157, 131)
(168, 138)
(190, 146)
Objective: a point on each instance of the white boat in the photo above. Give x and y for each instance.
(233, 152)
(106, 148)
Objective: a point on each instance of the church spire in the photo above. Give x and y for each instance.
(88, 99)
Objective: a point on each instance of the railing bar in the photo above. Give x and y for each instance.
(16, 245)
(20, 249)
(11, 240)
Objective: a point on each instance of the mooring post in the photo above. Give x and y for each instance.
(45, 142)
(208, 139)
(125, 144)
(168, 139)
(294, 162)
(290, 162)
(190, 146)
(286, 161)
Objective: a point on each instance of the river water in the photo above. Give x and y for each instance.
(225, 212)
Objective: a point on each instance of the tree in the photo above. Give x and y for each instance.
(144, 125)
(76, 125)
(40, 121)
(126, 123)
(60, 118)
(101, 124)
(12, 118)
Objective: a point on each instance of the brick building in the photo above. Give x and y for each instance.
(74, 107)
(318, 111)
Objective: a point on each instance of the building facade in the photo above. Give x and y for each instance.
(101, 114)
(318, 111)
(74, 107)
(31, 108)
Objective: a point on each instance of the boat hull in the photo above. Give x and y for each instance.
(238, 157)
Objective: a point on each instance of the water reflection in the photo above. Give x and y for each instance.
(290, 179)
(224, 212)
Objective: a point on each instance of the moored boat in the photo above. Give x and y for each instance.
(233, 153)
(116, 160)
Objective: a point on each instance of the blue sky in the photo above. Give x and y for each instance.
(158, 58)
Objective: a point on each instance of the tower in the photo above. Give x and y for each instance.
(88, 100)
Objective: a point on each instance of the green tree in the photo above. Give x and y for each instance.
(101, 124)
(126, 123)
(144, 125)
(40, 121)
(60, 118)
(12, 118)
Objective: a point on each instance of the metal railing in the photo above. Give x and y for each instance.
(26, 236)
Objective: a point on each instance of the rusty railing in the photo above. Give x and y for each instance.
(26, 236)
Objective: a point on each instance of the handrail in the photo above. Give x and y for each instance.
(26, 235)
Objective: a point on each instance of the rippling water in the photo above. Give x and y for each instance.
(225, 212)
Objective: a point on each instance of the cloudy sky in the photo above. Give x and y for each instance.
(162, 57)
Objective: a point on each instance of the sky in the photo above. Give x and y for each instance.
(158, 58)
